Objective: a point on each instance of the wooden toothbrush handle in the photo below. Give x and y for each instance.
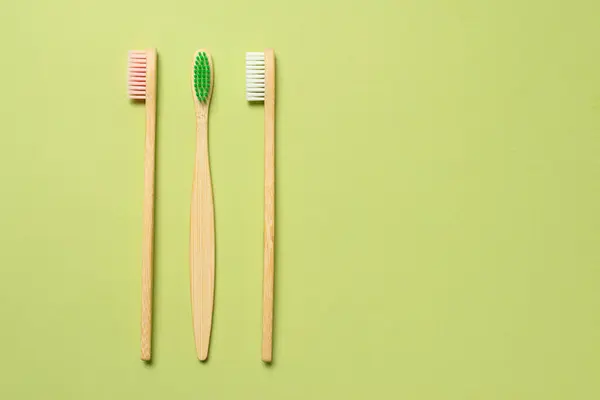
(148, 207)
(269, 210)
(202, 240)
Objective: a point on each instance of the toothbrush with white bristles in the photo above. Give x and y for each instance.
(260, 86)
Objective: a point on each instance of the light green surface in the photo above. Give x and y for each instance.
(438, 200)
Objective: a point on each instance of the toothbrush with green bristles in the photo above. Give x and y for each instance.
(202, 233)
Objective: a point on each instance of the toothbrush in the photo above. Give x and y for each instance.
(260, 86)
(202, 235)
(142, 86)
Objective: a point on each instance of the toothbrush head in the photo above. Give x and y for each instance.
(255, 76)
(137, 74)
(203, 76)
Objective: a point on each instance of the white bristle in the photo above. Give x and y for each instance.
(255, 76)
(136, 82)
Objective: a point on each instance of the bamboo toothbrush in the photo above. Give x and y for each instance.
(142, 86)
(202, 235)
(260, 86)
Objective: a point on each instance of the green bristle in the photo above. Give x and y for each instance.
(202, 77)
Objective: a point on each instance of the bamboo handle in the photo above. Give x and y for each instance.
(269, 210)
(148, 207)
(202, 239)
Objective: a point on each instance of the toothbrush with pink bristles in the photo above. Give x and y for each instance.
(142, 87)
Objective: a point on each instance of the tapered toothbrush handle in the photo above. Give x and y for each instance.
(269, 208)
(148, 207)
(202, 240)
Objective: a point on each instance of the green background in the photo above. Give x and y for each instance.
(437, 191)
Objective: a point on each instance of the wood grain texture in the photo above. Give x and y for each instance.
(269, 210)
(202, 230)
(148, 207)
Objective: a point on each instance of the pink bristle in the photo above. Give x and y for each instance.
(136, 85)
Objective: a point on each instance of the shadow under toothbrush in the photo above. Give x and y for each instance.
(215, 218)
(277, 273)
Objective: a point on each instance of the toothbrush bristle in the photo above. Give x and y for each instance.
(202, 76)
(255, 76)
(136, 82)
